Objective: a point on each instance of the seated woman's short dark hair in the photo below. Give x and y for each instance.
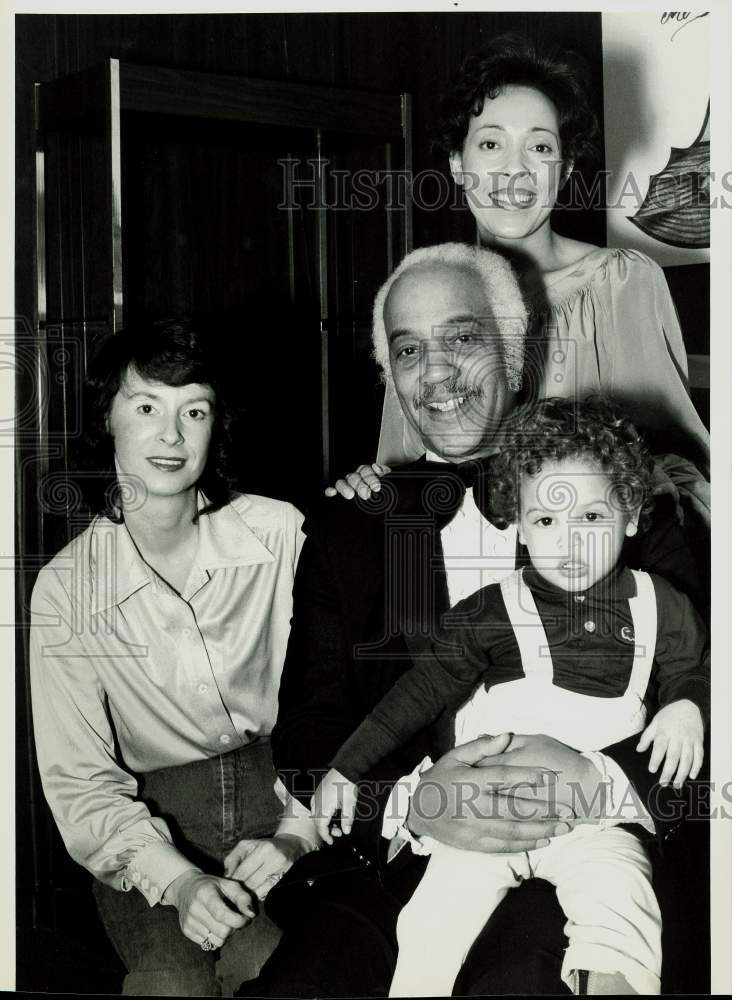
(176, 353)
(514, 60)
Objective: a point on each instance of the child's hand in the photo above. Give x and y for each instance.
(333, 793)
(676, 733)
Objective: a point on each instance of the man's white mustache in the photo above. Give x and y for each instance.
(440, 394)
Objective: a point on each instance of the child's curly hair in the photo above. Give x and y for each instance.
(556, 429)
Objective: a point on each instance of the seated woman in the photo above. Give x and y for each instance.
(157, 642)
(515, 122)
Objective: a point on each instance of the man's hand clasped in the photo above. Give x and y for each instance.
(486, 796)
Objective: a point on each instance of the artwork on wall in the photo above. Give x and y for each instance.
(656, 105)
(675, 210)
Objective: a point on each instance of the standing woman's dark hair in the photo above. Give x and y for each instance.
(176, 353)
(514, 60)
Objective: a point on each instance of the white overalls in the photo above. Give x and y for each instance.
(602, 874)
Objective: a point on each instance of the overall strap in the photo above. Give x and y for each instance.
(527, 626)
(645, 621)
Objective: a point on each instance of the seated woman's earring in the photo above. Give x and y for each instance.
(514, 382)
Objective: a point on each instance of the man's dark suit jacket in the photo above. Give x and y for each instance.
(369, 589)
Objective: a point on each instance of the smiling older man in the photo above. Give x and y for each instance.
(451, 346)
(373, 580)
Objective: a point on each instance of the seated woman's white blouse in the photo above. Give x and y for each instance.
(129, 676)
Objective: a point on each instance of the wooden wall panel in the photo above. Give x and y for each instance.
(389, 52)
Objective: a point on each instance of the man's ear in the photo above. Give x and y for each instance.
(456, 167)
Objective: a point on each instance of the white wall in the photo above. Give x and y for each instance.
(656, 89)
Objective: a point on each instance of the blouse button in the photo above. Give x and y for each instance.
(590, 626)
(225, 739)
(186, 633)
(202, 688)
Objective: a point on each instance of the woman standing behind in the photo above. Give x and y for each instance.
(157, 642)
(515, 122)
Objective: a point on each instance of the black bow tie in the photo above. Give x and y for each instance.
(470, 474)
(444, 486)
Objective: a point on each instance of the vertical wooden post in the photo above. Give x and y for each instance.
(323, 297)
(408, 234)
(114, 166)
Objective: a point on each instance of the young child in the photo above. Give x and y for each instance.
(573, 647)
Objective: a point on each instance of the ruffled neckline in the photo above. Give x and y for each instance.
(581, 276)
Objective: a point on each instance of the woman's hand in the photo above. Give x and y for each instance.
(209, 907)
(364, 481)
(260, 864)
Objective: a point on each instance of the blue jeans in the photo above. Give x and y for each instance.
(209, 806)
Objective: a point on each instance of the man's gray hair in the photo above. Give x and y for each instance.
(502, 292)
